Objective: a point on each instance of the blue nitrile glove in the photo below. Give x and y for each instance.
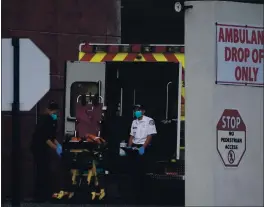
(59, 149)
(141, 150)
(54, 116)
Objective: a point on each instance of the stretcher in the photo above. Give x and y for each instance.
(83, 154)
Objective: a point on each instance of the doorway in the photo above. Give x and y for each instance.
(153, 85)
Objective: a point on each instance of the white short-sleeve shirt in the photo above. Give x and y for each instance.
(140, 129)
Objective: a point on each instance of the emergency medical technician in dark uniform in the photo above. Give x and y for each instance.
(142, 130)
(43, 142)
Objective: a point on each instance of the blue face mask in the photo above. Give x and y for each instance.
(54, 116)
(138, 114)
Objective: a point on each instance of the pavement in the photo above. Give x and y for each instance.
(160, 193)
(80, 205)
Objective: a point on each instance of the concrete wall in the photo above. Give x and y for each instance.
(208, 181)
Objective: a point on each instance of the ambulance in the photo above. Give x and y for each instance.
(123, 75)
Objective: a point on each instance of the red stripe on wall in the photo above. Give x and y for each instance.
(182, 100)
(171, 57)
(87, 57)
(149, 57)
(108, 57)
(130, 57)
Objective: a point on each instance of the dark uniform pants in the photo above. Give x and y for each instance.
(138, 169)
(43, 177)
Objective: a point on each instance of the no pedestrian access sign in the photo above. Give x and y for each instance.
(231, 137)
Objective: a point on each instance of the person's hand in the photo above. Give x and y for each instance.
(59, 149)
(59, 146)
(141, 150)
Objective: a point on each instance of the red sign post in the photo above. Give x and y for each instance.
(231, 137)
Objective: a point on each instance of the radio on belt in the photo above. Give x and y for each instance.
(231, 137)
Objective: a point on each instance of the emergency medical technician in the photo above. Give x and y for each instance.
(43, 142)
(142, 130)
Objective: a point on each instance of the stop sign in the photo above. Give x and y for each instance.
(34, 74)
(231, 137)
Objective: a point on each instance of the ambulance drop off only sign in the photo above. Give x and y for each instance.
(231, 137)
(240, 55)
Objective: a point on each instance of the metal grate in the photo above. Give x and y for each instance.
(166, 177)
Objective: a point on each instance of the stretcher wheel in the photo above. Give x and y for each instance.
(62, 195)
(98, 195)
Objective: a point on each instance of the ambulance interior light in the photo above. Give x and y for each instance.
(125, 48)
(147, 49)
(173, 49)
(100, 48)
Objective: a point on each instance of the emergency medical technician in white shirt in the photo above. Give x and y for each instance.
(142, 129)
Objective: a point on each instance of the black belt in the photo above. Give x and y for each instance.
(137, 145)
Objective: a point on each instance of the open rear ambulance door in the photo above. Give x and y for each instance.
(82, 78)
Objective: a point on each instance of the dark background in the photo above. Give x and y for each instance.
(57, 27)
